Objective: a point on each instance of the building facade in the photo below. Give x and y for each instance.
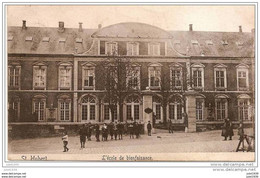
(57, 75)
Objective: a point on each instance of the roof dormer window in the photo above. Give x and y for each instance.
(45, 39)
(10, 38)
(62, 40)
(29, 38)
(209, 42)
(79, 40)
(224, 42)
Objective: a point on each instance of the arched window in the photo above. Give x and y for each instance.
(88, 108)
(39, 107)
(175, 108)
(157, 108)
(244, 107)
(133, 107)
(64, 107)
(110, 111)
(221, 107)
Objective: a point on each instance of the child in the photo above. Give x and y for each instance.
(65, 139)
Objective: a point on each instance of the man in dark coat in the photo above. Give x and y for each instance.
(104, 132)
(120, 130)
(89, 130)
(111, 129)
(115, 130)
(227, 130)
(131, 130)
(82, 135)
(135, 128)
(97, 131)
(149, 128)
(170, 128)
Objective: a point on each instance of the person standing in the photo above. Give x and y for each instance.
(120, 131)
(135, 128)
(149, 128)
(111, 129)
(131, 130)
(89, 130)
(65, 140)
(126, 128)
(170, 127)
(82, 136)
(104, 132)
(97, 131)
(115, 130)
(227, 130)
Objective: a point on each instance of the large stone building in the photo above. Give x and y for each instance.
(54, 74)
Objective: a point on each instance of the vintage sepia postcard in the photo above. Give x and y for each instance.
(130, 83)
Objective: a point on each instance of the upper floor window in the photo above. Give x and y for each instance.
(111, 48)
(133, 77)
(220, 77)
(198, 76)
(176, 76)
(14, 75)
(154, 71)
(88, 76)
(154, 49)
(242, 77)
(132, 49)
(65, 75)
(39, 76)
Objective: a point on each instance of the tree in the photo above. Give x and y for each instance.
(120, 79)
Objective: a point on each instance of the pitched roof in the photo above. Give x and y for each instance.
(45, 40)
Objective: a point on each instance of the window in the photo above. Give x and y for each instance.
(64, 108)
(175, 108)
(244, 107)
(132, 49)
(108, 115)
(220, 77)
(176, 76)
(88, 76)
(133, 107)
(198, 76)
(242, 77)
(111, 48)
(154, 76)
(221, 107)
(154, 49)
(157, 108)
(65, 73)
(14, 109)
(14, 73)
(39, 107)
(88, 108)
(39, 76)
(199, 108)
(133, 77)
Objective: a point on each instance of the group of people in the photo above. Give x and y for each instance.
(115, 130)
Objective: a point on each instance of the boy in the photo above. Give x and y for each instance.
(65, 139)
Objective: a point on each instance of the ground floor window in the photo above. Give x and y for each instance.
(108, 113)
(157, 108)
(88, 108)
(14, 109)
(243, 107)
(221, 109)
(39, 109)
(199, 109)
(133, 108)
(65, 109)
(175, 108)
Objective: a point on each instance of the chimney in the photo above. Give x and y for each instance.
(190, 29)
(80, 27)
(24, 24)
(61, 26)
(99, 26)
(240, 29)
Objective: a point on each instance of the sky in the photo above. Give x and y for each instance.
(203, 18)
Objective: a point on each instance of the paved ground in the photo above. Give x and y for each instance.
(209, 141)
